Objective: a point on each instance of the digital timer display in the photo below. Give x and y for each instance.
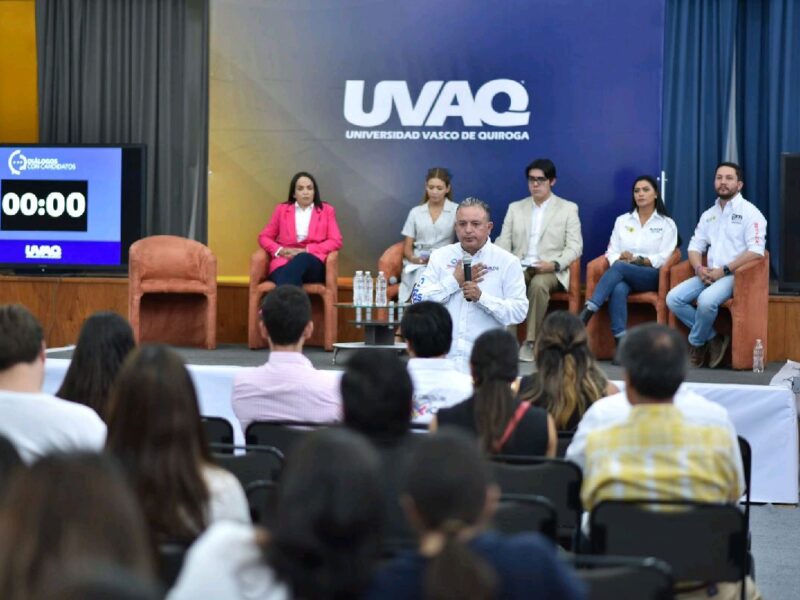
(44, 205)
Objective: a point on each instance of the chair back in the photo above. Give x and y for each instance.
(700, 541)
(624, 577)
(262, 497)
(278, 434)
(171, 257)
(521, 513)
(218, 431)
(564, 440)
(259, 463)
(170, 562)
(747, 466)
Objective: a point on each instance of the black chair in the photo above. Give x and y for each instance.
(747, 462)
(520, 513)
(556, 479)
(262, 497)
(170, 562)
(624, 577)
(278, 434)
(564, 440)
(218, 430)
(700, 541)
(257, 464)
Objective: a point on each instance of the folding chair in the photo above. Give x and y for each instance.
(258, 463)
(520, 513)
(747, 462)
(218, 430)
(624, 577)
(278, 434)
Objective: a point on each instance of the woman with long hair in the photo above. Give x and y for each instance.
(325, 540)
(154, 429)
(104, 342)
(429, 225)
(449, 499)
(300, 235)
(503, 424)
(68, 511)
(567, 379)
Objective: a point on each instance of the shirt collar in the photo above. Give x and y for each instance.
(300, 209)
(662, 410)
(734, 202)
(288, 358)
(634, 215)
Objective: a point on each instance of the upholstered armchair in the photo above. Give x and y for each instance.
(391, 263)
(323, 300)
(172, 291)
(745, 316)
(641, 306)
(571, 297)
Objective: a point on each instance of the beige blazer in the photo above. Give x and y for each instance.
(560, 238)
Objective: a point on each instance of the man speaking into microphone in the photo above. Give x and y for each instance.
(481, 285)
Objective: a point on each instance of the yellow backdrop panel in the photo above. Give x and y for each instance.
(18, 98)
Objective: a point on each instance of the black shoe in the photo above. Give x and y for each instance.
(586, 315)
(716, 350)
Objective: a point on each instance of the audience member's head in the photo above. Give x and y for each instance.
(154, 429)
(21, 347)
(329, 516)
(449, 494)
(494, 366)
(427, 329)
(63, 511)
(655, 361)
(105, 340)
(286, 316)
(568, 378)
(10, 461)
(376, 395)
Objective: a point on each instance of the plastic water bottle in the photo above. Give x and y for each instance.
(758, 357)
(380, 289)
(369, 297)
(358, 288)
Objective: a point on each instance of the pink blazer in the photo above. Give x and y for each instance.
(323, 234)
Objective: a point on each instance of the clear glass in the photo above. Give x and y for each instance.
(758, 357)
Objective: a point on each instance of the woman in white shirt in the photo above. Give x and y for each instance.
(641, 242)
(429, 226)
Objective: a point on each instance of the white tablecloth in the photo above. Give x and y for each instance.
(764, 415)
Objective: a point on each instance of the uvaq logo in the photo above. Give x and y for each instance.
(437, 101)
(52, 252)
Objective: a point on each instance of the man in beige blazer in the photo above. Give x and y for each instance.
(544, 232)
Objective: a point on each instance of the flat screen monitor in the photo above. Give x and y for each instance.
(70, 209)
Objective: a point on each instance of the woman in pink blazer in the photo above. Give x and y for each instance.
(300, 235)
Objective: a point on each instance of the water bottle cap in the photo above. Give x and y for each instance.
(380, 273)
(359, 272)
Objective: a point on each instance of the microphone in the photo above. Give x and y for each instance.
(467, 264)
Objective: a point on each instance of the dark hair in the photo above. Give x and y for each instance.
(100, 580)
(655, 359)
(438, 173)
(732, 165)
(447, 479)
(285, 312)
(376, 395)
(21, 336)
(10, 461)
(660, 207)
(568, 379)
(428, 328)
(67, 509)
(329, 514)
(545, 165)
(105, 340)
(293, 184)
(494, 367)
(154, 429)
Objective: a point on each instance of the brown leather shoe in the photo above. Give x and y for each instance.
(697, 355)
(717, 347)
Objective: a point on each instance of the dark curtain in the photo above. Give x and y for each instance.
(133, 71)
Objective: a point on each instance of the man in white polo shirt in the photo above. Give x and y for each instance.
(493, 297)
(732, 233)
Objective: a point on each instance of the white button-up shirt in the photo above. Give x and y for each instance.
(503, 300)
(437, 385)
(537, 216)
(729, 232)
(655, 240)
(302, 219)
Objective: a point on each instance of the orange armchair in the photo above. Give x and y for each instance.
(172, 291)
(391, 263)
(571, 297)
(601, 342)
(745, 315)
(323, 301)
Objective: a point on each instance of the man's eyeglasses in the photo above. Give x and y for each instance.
(532, 179)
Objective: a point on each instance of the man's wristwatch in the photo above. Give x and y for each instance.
(726, 270)
(556, 267)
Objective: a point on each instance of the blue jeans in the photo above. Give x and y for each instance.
(700, 320)
(615, 285)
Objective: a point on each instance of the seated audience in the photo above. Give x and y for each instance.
(62, 513)
(567, 379)
(428, 331)
(325, 539)
(502, 423)
(449, 499)
(35, 422)
(105, 340)
(287, 387)
(154, 429)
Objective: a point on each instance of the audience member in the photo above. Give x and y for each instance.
(35, 422)
(154, 429)
(449, 498)
(287, 387)
(326, 536)
(105, 340)
(503, 424)
(567, 379)
(63, 512)
(428, 331)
